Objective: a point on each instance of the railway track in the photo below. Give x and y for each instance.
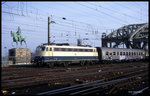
(47, 77)
(87, 88)
(67, 76)
(21, 73)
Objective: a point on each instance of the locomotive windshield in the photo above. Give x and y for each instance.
(42, 48)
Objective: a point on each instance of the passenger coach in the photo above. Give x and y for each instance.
(120, 54)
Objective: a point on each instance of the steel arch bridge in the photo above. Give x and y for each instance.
(134, 36)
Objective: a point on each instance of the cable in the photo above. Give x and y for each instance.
(116, 11)
(117, 19)
(128, 8)
(65, 20)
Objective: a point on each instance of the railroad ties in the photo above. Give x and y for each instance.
(96, 87)
(111, 79)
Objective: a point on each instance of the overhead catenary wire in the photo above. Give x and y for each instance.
(115, 18)
(135, 11)
(79, 22)
(122, 13)
(74, 27)
(61, 25)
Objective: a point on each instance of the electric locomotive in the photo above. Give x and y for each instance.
(64, 54)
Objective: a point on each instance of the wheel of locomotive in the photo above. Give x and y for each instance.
(82, 63)
(91, 63)
(50, 65)
(39, 64)
(87, 63)
(65, 64)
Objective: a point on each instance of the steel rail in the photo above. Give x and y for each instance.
(99, 85)
(86, 85)
(74, 75)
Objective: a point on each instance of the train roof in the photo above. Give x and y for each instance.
(120, 49)
(65, 46)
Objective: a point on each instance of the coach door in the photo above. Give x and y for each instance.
(110, 55)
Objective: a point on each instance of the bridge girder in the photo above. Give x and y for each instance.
(133, 36)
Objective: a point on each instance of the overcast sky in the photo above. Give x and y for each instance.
(84, 20)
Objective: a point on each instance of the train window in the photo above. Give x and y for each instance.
(110, 53)
(91, 50)
(69, 49)
(63, 49)
(59, 49)
(66, 49)
(129, 53)
(50, 49)
(123, 53)
(134, 53)
(120, 53)
(56, 49)
(86, 50)
(75, 50)
(42, 48)
(139, 53)
(126, 53)
(46, 48)
(117, 53)
(80, 50)
(114, 53)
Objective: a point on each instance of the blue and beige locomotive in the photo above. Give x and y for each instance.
(51, 54)
(65, 54)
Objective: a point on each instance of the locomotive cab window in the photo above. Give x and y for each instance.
(42, 48)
